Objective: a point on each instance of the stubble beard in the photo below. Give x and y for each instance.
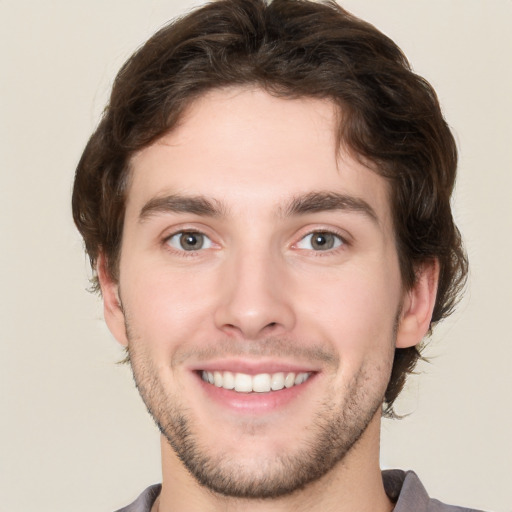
(335, 429)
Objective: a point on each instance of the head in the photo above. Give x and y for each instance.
(389, 118)
(382, 117)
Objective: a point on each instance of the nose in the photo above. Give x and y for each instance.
(254, 300)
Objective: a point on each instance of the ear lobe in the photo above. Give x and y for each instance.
(112, 309)
(418, 306)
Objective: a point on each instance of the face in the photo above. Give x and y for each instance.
(260, 290)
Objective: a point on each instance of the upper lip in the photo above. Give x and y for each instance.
(253, 367)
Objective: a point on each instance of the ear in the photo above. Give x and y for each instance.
(418, 306)
(112, 308)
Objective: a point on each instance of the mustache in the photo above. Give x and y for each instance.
(270, 347)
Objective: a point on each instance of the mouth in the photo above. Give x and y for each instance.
(259, 383)
(256, 388)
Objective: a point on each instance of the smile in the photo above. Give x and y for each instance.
(260, 383)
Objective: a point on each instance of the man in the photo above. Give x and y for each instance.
(266, 205)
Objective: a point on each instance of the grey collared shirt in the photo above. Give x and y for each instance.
(403, 487)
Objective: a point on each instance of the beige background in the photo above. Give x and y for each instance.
(74, 435)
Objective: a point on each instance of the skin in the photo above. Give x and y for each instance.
(257, 296)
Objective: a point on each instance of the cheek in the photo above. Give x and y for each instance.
(165, 305)
(356, 308)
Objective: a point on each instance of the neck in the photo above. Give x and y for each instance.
(355, 483)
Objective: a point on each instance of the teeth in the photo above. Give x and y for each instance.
(228, 381)
(300, 378)
(261, 383)
(289, 380)
(277, 381)
(217, 379)
(243, 383)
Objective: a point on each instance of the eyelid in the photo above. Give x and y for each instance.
(186, 227)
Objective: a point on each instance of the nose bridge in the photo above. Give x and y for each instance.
(253, 298)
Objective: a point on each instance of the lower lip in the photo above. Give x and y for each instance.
(254, 403)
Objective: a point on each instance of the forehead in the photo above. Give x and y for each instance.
(249, 149)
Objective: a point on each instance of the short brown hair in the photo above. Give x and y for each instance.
(390, 118)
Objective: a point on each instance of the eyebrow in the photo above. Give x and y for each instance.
(311, 202)
(328, 201)
(176, 203)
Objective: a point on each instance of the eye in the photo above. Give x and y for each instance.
(189, 241)
(320, 241)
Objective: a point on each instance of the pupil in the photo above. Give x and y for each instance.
(320, 240)
(191, 241)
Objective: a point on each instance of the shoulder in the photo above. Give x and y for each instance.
(406, 489)
(145, 501)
